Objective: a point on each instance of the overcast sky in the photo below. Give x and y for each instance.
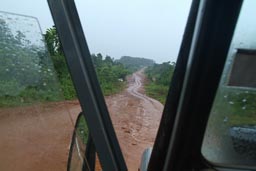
(139, 28)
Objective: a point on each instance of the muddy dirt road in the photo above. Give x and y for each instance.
(35, 137)
(38, 137)
(136, 118)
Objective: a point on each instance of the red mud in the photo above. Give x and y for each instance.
(38, 137)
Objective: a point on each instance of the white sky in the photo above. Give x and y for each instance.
(139, 28)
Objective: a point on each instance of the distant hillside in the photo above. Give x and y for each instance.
(135, 63)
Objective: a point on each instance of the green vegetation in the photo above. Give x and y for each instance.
(236, 105)
(26, 72)
(159, 76)
(134, 63)
(57, 56)
(111, 74)
(30, 74)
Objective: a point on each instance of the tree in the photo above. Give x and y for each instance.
(52, 41)
(57, 55)
(108, 71)
(108, 60)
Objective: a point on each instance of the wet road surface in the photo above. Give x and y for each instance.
(38, 137)
(136, 119)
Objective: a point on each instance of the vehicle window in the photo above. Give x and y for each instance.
(230, 138)
(130, 48)
(36, 123)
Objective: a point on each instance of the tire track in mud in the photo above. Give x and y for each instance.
(134, 91)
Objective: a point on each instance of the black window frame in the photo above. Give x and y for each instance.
(201, 60)
(85, 81)
(190, 106)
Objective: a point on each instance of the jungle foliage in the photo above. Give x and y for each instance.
(111, 74)
(159, 76)
(30, 73)
(26, 72)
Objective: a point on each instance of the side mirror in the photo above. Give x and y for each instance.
(82, 152)
(145, 159)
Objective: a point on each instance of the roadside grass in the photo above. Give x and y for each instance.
(114, 88)
(156, 91)
(159, 77)
(236, 107)
(61, 92)
(30, 96)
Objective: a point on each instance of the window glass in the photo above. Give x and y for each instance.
(230, 138)
(35, 123)
(134, 46)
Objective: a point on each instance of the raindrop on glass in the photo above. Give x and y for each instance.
(225, 119)
(230, 102)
